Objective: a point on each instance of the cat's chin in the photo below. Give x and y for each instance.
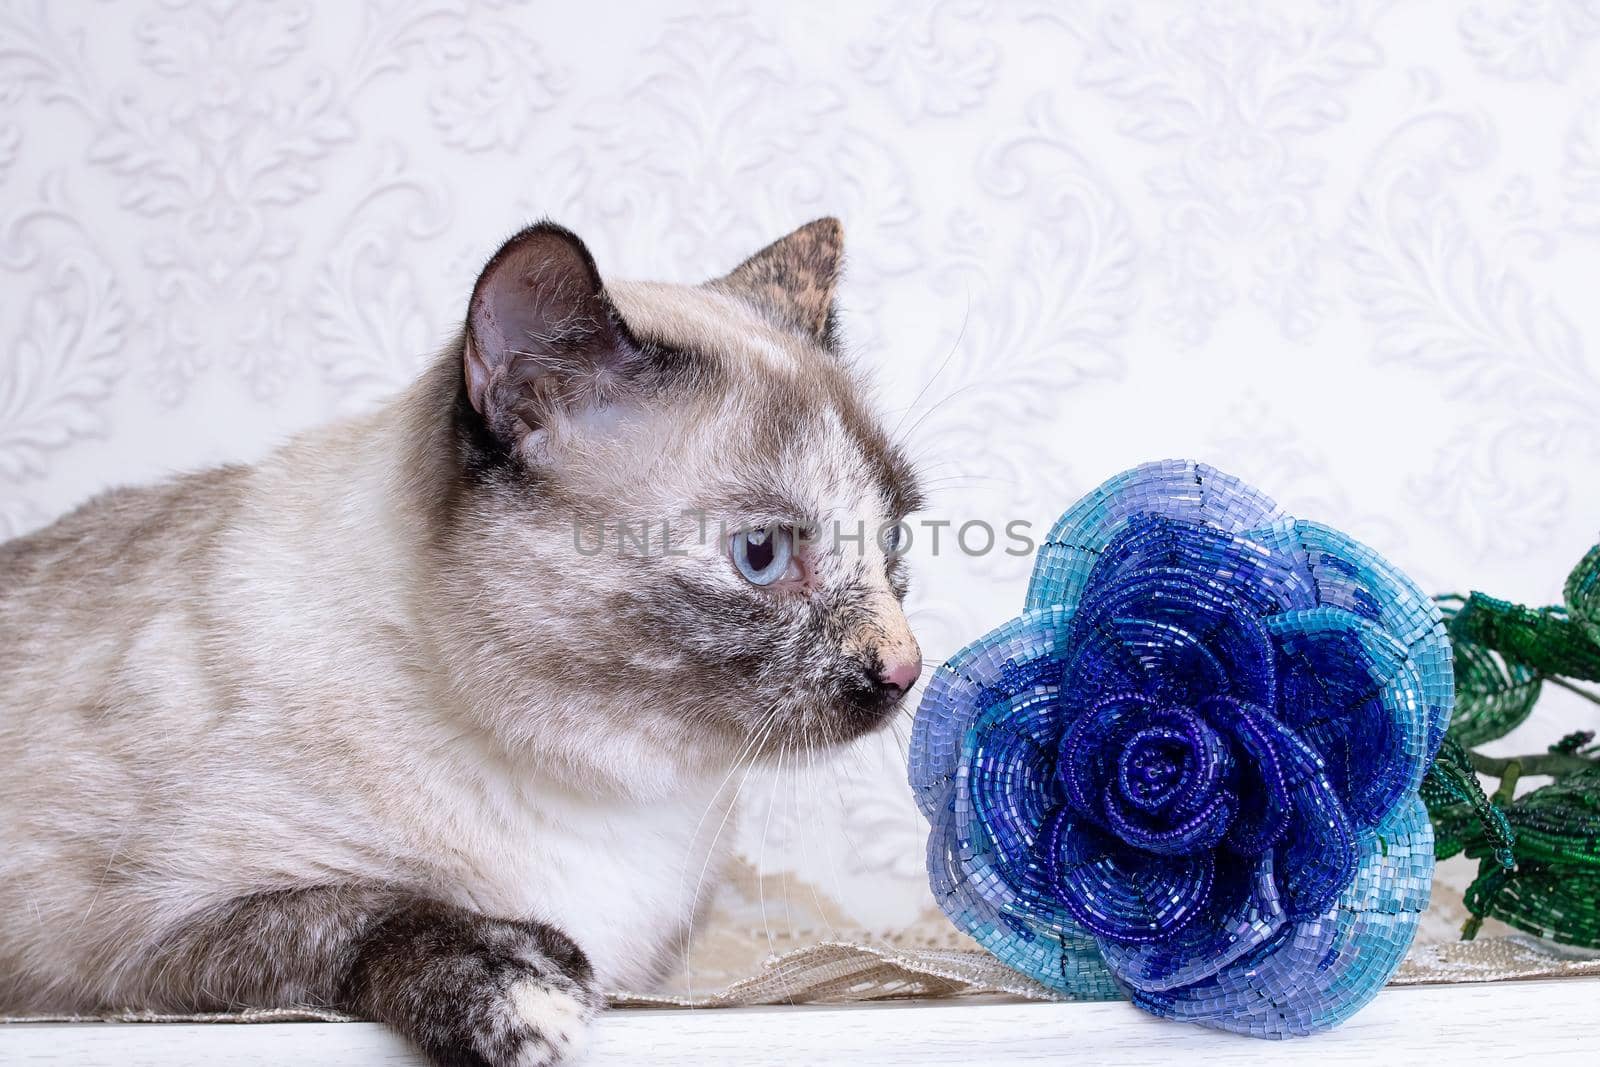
(840, 725)
(855, 721)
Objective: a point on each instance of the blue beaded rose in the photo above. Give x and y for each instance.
(1188, 772)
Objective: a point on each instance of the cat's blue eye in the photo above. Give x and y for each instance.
(763, 555)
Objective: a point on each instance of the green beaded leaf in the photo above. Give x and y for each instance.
(1555, 889)
(1460, 812)
(1582, 593)
(1551, 900)
(1503, 652)
(1558, 824)
(1493, 695)
(1547, 640)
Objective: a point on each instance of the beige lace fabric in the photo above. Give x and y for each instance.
(840, 972)
(835, 972)
(743, 956)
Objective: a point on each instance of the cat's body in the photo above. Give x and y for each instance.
(213, 634)
(364, 725)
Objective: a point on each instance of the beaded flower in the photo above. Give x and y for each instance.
(1188, 772)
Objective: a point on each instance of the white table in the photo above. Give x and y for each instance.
(1536, 1022)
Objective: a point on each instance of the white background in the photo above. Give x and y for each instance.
(1346, 250)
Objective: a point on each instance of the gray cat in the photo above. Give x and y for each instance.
(371, 724)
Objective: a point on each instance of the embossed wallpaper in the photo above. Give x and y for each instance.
(1347, 250)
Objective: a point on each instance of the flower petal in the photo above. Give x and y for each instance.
(1156, 659)
(1085, 760)
(1172, 763)
(1319, 853)
(1263, 776)
(1266, 576)
(1196, 833)
(1178, 489)
(1315, 845)
(1068, 796)
(1242, 913)
(1118, 893)
(1316, 973)
(1005, 790)
(1065, 958)
(1351, 576)
(1198, 805)
(1021, 656)
(1173, 636)
(1352, 692)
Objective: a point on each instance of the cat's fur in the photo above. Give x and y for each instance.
(368, 725)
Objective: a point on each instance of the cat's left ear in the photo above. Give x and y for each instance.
(793, 279)
(542, 336)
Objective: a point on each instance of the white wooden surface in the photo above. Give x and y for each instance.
(1540, 1023)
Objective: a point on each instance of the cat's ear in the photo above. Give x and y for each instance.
(541, 334)
(793, 279)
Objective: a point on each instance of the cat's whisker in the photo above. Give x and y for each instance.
(758, 737)
(783, 872)
(821, 911)
(805, 825)
(932, 453)
(961, 476)
(940, 495)
(733, 768)
(844, 829)
(965, 478)
(924, 463)
(955, 346)
(958, 391)
(761, 853)
(688, 939)
(901, 740)
(838, 888)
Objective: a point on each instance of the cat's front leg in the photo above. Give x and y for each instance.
(472, 990)
(467, 988)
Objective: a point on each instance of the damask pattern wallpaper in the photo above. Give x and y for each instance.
(1345, 249)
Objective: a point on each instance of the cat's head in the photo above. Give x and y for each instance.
(676, 509)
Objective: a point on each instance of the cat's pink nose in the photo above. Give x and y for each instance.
(901, 675)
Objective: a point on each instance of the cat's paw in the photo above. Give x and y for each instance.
(473, 991)
(530, 1018)
(552, 1024)
(533, 1010)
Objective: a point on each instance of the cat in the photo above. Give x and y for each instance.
(368, 725)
